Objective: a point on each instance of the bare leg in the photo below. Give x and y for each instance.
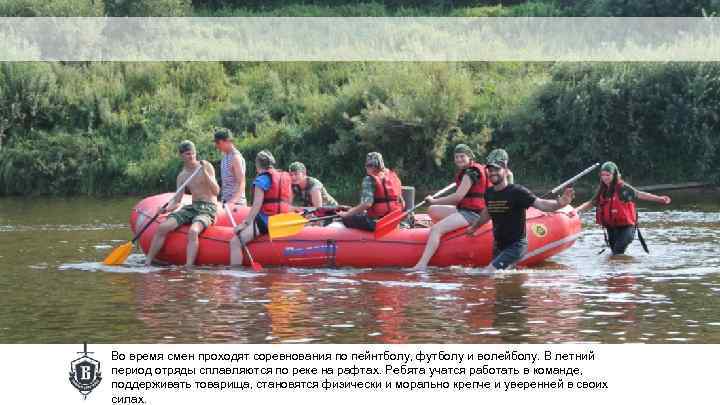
(450, 223)
(236, 250)
(439, 212)
(159, 239)
(193, 242)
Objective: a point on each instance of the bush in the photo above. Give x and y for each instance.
(145, 8)
(52, 8)
(657, 121)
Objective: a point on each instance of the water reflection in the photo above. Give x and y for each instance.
(51, 272)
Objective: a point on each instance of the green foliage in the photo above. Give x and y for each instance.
(113, 128)
(145, 8)
(657, 121)
(52, 8)
(655, 8)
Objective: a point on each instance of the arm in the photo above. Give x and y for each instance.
(258, 197)
(239, 172)
(358, 209)
(554, 205)
(177, 198)
(454, 198)
(484, 218)
(209, 174)
(582, 208)
(662, 199)
(316, 197)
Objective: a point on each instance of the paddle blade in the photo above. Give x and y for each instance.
(119, 255)
(288, 224)
(389, 223)
(256, 266)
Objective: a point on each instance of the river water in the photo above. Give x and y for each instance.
(54, 290)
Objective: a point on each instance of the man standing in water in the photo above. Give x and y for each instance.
(232, 169)
(506, 205)
(200, 214)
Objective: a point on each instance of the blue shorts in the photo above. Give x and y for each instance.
(502, 259)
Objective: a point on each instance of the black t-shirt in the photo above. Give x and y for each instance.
(507, 210)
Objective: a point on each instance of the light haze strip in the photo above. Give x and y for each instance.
(360, 39)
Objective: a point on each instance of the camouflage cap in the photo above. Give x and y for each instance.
(186, 146)
(610, 167)
(297, 167)
(462, 148)
(498, 155)
(374, 159)
(265, 159)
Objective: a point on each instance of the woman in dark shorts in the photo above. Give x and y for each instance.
(459, 209)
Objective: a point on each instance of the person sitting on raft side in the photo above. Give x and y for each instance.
(506, 205)
(615, 210)
(232, 169)
(200, 214)
(501, 155)
(308, 191)
(272, 193)
(459, 209)
(381, 194)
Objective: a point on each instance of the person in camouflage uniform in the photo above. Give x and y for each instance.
(308, 191)
(361, 216)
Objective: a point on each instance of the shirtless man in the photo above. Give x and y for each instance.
(200, 214)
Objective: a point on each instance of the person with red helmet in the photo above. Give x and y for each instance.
(615, 209)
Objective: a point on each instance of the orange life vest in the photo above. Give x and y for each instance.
(276, 200)
(388, 190)
(613, 212)
(475, 198)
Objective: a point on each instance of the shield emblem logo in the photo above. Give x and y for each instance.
(85, 373)
(85, 370)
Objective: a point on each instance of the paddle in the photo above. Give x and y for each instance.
(572, 180)
(253, 264)
(121, 253)
(389, 222)
(290, 223)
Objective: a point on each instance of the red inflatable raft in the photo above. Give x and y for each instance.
(548, 234)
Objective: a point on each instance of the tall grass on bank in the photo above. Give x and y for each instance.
(112, 128)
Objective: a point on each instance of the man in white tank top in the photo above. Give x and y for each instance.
(232, 169)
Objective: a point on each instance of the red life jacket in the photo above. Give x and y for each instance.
(276, 200)
(613, 212)
(388, 190)
(475, 198)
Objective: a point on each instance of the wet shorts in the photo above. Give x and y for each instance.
(260, 227)
(620, 238)
(470, 216)
(502, 259)
(199, 211)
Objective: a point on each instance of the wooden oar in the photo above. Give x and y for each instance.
(253, 264)
(121, 253)
(291, 223)
(389, 222)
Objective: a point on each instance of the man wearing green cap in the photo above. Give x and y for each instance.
(506, 205)
(200, 214)
(308, 191)
(381, 194)
(615, 211)
(501, 155)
